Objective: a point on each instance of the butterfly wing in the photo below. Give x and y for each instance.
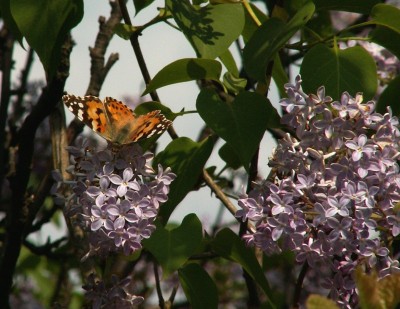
(128, 127)
(148, 125)
(122, 120)
(91, 111)
(115, 121)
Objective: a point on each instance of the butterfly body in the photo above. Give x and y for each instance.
(115, 121)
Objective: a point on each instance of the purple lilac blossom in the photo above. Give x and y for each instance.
(114, 296)
(117, 194)
(335, 190)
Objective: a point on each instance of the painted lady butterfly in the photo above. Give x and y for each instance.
(115, 121)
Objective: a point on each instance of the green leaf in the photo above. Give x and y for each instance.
(269, 39)
(377, 294)
(317, 301)
(241, 123)
(228, 245)
(229, 62)
(186, 159)
(146, 107)
(199, 288)
(386, 15)
(227, 153)
(44, 24)
(387, 38)
(9, 20)
(352, 70)
(250, 26)
(280, 77)
(233, 83)
(173, 248)
(210, 29)
(184, 70)
(389, 290)
(390, 97)
(124, 31)
(387, 34)
(141, 4)
(320, 25)
(356, 6)
(368, 290)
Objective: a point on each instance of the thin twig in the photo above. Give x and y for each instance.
(219, 193)
(134, 39)
(299, 285)
(21, 91)
(161, 301)
(99, 68)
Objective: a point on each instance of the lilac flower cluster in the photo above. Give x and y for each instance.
(118, 195)
(334, 190)
(388, 65)
(116, 296)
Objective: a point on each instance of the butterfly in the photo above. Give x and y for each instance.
(115, 121)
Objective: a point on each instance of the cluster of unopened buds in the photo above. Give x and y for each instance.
(333, 194)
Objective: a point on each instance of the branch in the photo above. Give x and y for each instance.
(161, 300)
(99, 68)
(299, 285)
(6, 49)
(21, 91)
(17, 215)
(46, 249)
(140, 59)
(219, 193)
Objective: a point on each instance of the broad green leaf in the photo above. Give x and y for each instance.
(356, 6)
(229, 62)
(389, 289)
(228, 245)
(250, 26)
(386, 15)
(199, 288)
(269, 39)
(141, 4)
(227, 153)
(378, 294)
(186, 159)
(387, 38)
(241, 123)
(279, 75)
(387, 34)
(233, 83)
(124, 31)
(390, 97)
(173, 248)
(320, 25)
(210, 29)
(368, 290)
(198, 2)
(147, 107)
(9, 20)
(352, 70)
(44, 24)
(184, 70)
(317, 302)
